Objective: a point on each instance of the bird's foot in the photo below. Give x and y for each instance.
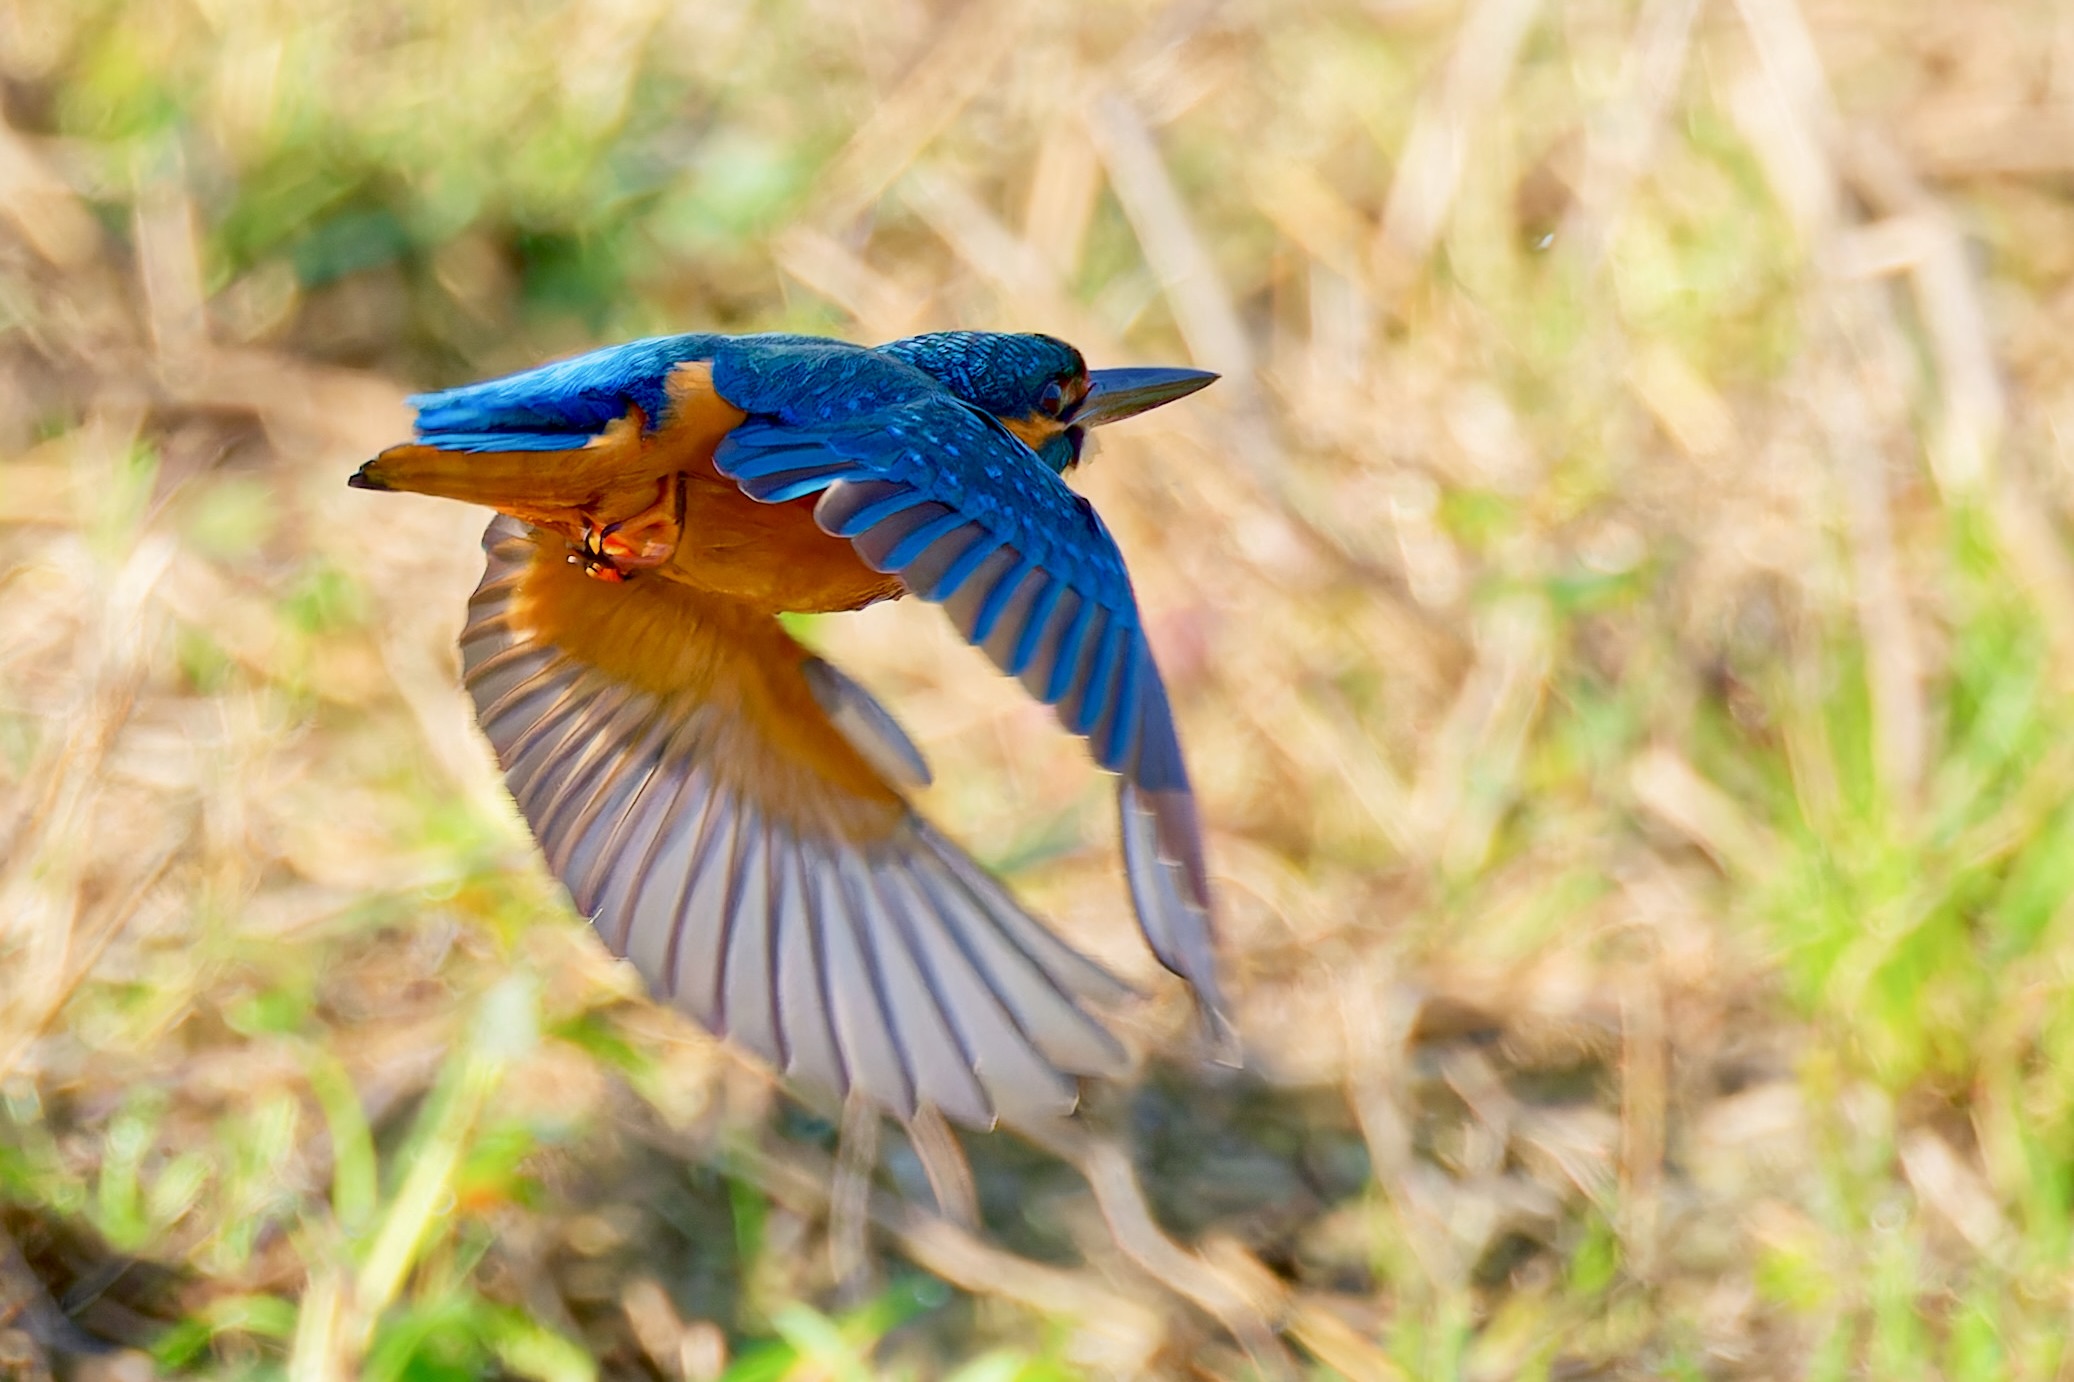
(612, 551)
(595, 563)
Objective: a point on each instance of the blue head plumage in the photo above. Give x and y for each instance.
(1002, 372)
(1039, 388)
(1017, 377)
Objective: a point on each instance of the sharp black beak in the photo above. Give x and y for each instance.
(1114, 394)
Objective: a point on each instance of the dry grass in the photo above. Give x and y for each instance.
(1619, 603)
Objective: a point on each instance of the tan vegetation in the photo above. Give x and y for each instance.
(1618, 601)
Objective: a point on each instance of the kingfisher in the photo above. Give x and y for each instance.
(731, 811)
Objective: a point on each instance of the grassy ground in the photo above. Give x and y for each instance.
(1619, 603)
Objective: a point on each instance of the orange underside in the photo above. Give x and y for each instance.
(770, 736)
(769, 556)
(698, 625)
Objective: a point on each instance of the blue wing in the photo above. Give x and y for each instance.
(948, 499)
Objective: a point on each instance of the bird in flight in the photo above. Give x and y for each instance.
(729, 809)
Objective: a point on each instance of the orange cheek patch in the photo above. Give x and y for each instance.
(1035, 430)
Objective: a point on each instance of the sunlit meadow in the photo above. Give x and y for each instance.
(1619, 604)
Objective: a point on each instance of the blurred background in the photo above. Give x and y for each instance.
(1619, 604)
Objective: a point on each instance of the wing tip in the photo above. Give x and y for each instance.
(1169, 886)
(1218, 1035)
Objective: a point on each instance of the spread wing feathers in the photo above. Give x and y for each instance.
(866, 724)
(879, 958)
(949, 500)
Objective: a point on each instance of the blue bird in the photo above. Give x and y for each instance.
(727, 808)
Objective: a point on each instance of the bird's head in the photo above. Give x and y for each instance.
(1040, 387)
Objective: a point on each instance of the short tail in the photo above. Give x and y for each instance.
(496, 479)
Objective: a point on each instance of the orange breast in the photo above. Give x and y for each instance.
(771, 737)
(768, 555)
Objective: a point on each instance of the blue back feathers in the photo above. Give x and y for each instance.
(561, 406)
(799, 380)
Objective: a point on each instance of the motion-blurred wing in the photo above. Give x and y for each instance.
(712, 797)
(949, 500)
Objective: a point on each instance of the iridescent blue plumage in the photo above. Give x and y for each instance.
(801, 379)
(559, 407)
(998, 373)
(945, 497)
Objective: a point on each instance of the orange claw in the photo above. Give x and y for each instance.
(638, 542)
(595, 564)
(638, 549)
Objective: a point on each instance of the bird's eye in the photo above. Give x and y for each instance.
(1052, 399)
